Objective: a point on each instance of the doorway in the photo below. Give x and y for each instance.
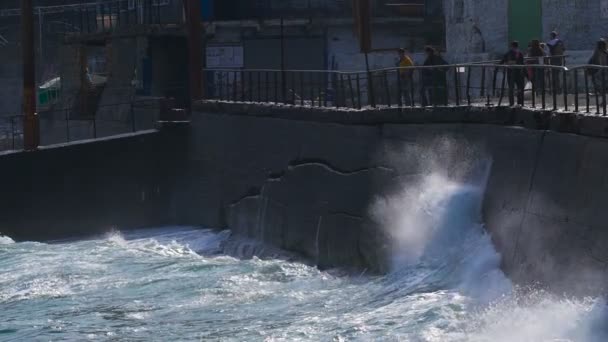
(525, 21)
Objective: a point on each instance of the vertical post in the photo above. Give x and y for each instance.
(118, 13)
(483, 82)
(412, 94)
(399, 89)
(585, 74)
(195, 37)
(534, 85)
(276, 87)
(554, 85)
(267, 85)
(387, 87)
(352, 91)
(370, 83)
(456, 85)
(293, 88)
(283, 81)
(250, 82)
(543, 90)
(40, 37)
(565, 89)
(243, 86)
(469, 72)
(603, 91)
(234, 87)
(358, 80)
(31, 133)
(576, 90)
(302, 91)
(502, 87)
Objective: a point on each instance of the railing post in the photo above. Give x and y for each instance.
(565, 88)
(502, 87)
(482, 92)
(302, 89)
(412, 91)
(118, 13)
(469, 71)
(457, 85)
(312, 90)
(219, 85)
(586, 75)
(399, 89)
(352, 91)
(358, 80)
(534, 85)
(250, 83)
(554, 82)
(259, 74)
(325, 88)
(387, 87)
(243, 86)
(576, 90)
(544, 86)
(13, 131)
(293, 88)
(604, 91)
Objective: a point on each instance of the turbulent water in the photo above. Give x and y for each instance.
(176, 284)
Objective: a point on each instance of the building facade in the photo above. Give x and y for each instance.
(484, 27)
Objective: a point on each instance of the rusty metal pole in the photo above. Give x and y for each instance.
(31, 132)
(195, 47)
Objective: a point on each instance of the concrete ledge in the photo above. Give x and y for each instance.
(536, 119)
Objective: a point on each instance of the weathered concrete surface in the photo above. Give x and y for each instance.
(88, 187)
(304, 180)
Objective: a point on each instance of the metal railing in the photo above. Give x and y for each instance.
(60, 125)
(113, 15)
(580, 89)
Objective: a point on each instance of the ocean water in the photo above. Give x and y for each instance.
(179, 283)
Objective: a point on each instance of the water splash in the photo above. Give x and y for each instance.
(5, 240)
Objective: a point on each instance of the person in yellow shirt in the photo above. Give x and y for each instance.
(406, 75)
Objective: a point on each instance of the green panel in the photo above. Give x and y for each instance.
(525, 21)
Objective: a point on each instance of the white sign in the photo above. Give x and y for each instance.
(604, 9)
(225, 57)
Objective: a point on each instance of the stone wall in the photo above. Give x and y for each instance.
(306, 184)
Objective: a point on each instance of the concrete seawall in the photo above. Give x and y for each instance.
(307, 186)
(304, 180)
(87, 187)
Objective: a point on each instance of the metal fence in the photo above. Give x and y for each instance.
(579, 89)
(113, 15)
(61, 125)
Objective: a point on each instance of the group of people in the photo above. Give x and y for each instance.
(433, 90)
(538, 53)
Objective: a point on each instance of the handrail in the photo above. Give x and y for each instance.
(560, 88)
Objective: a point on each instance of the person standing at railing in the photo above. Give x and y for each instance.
(405, 75)
(557, 49)
(536, 57)
(433, 91)
(515, 76)
(600, 58)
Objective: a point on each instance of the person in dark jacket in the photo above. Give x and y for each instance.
(599, 58)
(515, 76)
(434, 80)
(536, 56)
